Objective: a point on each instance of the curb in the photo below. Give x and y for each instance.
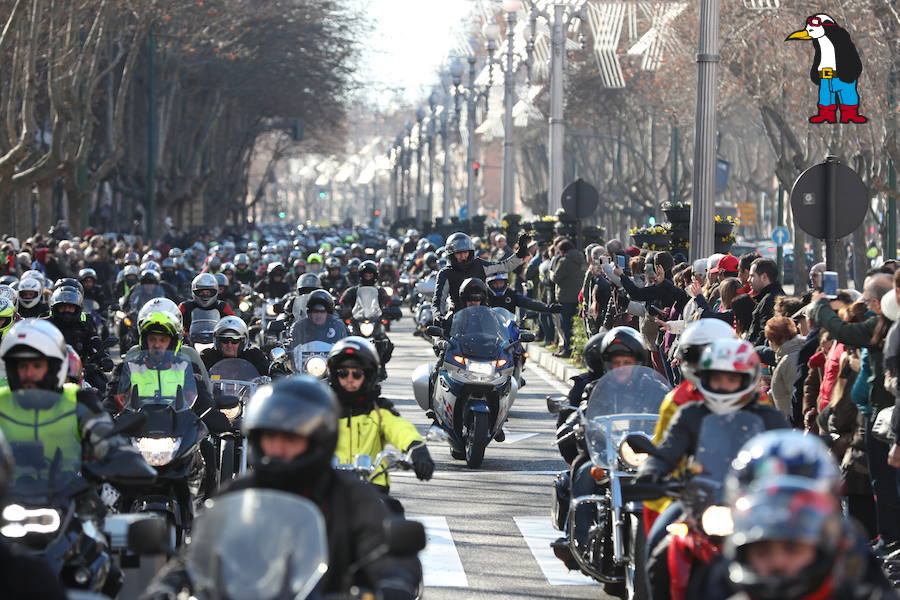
(560, 369)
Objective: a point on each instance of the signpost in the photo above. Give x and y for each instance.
(829, 201)
(781, 235)
(580, 200)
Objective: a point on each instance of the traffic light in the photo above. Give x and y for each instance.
(651, 221)
(282, 214)
(376, 212)
(323, 195)
(475, 167)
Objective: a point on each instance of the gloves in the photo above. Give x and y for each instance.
(422, 463)
(522, 247)
(556, 308)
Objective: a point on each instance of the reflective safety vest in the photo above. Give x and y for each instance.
(56, 427)
(152, 381)
(369, 433)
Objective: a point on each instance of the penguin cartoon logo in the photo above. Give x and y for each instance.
(835, 69)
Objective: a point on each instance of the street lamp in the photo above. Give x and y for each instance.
(432, 117)
(559, 23)
(420, 116)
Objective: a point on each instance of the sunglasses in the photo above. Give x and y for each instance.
(816, 22)
(230, 340)
(354, 373)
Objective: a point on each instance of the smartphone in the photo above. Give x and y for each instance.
(829, 284)
(620, 261)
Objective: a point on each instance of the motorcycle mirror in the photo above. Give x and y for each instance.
(526, 336)
(149, 536)
(128, 422)
(278, 353)
(555, 404)
(434, 331)
(404, 538)
(641, 444)
(226, 402)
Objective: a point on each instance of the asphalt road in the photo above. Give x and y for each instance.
(489, 529)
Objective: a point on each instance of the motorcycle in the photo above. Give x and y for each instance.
(697, 539)
(126, 329)
(169, 440)
(92, 310)
(422, 307)
(369, 321)
(367, 470)
(234, 379)
(473, 391)
(310, 345)
(624, 402)
(54, 511)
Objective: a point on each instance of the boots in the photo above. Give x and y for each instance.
(827, 114)
(849, 114)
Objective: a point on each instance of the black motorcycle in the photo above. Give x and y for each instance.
(234, 381)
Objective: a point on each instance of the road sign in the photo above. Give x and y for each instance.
(747, 213)
(463, 212)
(781, 235)
(580, 199)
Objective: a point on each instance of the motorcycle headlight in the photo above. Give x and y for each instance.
(367, 329)
(231, 413)
(316, 366)
(157, 451)
(630, 457)
(127, 321)
(21, 521)
(245, 306)
(716, 520)
(120, 314)
(270, 310)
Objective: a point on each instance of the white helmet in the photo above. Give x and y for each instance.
(202, 284)
(231, 327)
(35, 338)
(10, 294)
(30, 291)
(694, 339)
(728, 356)
(155, 305)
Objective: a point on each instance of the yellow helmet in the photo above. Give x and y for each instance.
(7, 315)
(160, 322)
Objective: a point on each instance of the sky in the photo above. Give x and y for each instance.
(411, 39)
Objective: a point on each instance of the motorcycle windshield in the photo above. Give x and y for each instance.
(720, 439)
(479, 332)
(624, 391)
(303, 352)
(203, 322)
(367, 307)
(238, 550)
(91, 306)
(48, 463)
(144, 292)
(305, 331)
(157, 377)
(237, 369)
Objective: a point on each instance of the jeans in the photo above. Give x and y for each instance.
(884, 484)
(583, 485)
(834, 91)
(569, 310)
(545, 323)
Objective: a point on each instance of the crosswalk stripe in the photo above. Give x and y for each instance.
(441, 564)
(538, 533)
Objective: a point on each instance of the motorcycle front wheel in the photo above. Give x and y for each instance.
(477, 440)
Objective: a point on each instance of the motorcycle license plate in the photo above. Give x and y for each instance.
(482, 368)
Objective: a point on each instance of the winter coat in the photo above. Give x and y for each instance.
(785, 373)
(765, 310)
(568, 273)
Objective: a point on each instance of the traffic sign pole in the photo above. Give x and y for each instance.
(831, 169)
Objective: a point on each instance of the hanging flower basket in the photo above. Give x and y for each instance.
(658, 241)
(678, 215)
(681, 230)
(724, 226)
(723, 244)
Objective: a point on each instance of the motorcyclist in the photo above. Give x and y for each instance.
(320, 323)
(353, 271)
(243, 271)
(292, 428)
(314, 263)
(7, 312)
(387, 272)
(464, 264)
(128, 278)
(274, 285)
(368, 276)
(204, 296)
(92, 290)
(503, 296)
(172, 276)
(75, 427)
(226, 294)
(24, 576)
(332, 279)
(151, 286)
(79, 332)
(232, 340)
(368, 421)
(31, 298)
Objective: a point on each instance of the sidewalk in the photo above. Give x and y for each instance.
(561, 369)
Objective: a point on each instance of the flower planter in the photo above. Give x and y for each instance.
(681, 230)
(640, 239)
(659, 240)
(723, 229)
(678, 215)
(723, 247)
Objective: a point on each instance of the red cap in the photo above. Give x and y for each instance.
(728, 263)
(633, 251)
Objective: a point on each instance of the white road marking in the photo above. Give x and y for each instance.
(441, 565)
(512, 438)
(538, 533)
(547, 378)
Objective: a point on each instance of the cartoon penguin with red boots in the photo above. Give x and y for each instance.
(835, 69)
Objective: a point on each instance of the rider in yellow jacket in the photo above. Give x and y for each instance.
(368, 422)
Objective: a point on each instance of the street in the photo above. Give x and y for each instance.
(488, 529)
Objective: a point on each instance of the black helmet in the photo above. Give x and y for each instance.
(473, 289)
(366, 268)
(301, 405)
(150, 276)
(307, 282)
(623, 341)
(275, 268)
(353, 263)
(66, 296)
(87, 274)
(320, 298)
(593, 353)
(430, 258)
(68, 282)
(354, 351)
(460, 242)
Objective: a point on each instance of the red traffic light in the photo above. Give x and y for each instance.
(376, 212)
(475, 167)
